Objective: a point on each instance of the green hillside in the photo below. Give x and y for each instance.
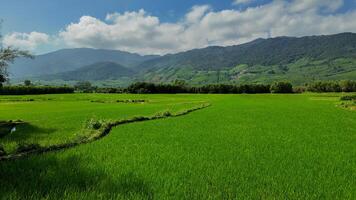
(94, 72)
(299, 60)
(298, 72)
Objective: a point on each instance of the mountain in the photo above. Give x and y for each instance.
(280, 50)
(263, 60)
(93, 72)
(296, 59)
(72, 59)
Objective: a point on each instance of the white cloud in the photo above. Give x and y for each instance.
(130, 31)
(196, 13)
(325, 5)
(239, 2)
(143, 33)
(28, 41)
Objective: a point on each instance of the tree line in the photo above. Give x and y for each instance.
(332, 86)
(23, 90)
(182, 87)
(276, 87)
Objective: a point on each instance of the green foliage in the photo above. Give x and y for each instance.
(151, 88)
(94, 124)
(110, 90)
(27, 83)
(162, 114)
(348, 98)
(84, 86)
(348, 86)
(22, 90)
(299, 89)
(332, 86)
(281, 87)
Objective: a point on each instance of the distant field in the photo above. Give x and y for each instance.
(241, 147)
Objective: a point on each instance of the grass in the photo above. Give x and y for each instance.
(241, 147)
(55, 119)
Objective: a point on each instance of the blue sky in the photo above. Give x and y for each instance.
(46, 25)
(51, 15)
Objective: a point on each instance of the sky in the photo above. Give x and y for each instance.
(165, 26)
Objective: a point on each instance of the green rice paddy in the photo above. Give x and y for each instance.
(241, 147)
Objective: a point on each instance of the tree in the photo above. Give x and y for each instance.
(84, 86)
(2, 79)
(348, 86)
(7, 56)
(179, 82)
(27, 83)
(282, 87)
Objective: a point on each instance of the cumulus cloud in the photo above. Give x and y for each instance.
(143, 33)
(28, 41)
(202, 26)
(130, 31)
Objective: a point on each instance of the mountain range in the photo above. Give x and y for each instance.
(299, 60)
(71, 59)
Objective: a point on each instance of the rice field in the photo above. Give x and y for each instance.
(240, 147)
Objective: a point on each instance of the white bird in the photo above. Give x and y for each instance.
(13, 129)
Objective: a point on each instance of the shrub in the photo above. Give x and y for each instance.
(281, 87)
(348, 98)
(94, 124)
(162, 114)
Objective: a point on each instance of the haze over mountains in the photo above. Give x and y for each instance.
(298, 60)
(71, 59)
(94, 72)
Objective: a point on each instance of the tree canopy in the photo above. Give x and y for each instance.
(7, 56)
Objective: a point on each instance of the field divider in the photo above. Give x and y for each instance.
(100, 133)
